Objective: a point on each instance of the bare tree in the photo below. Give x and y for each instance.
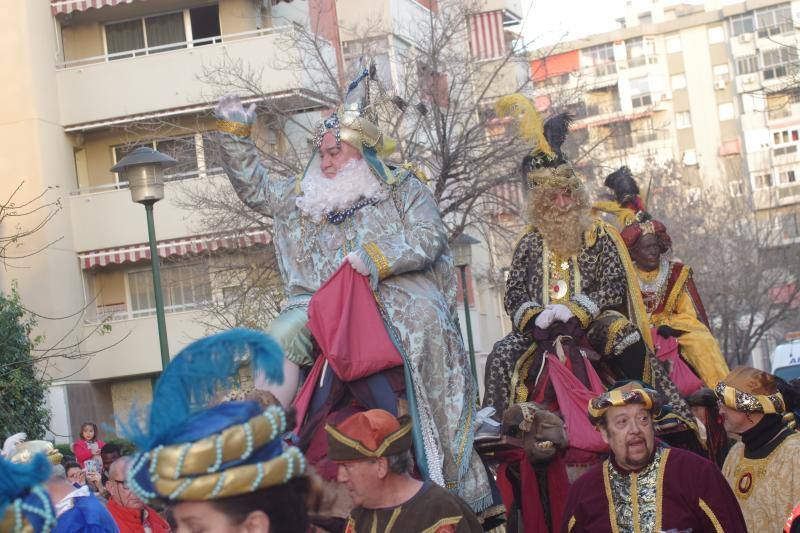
(747, 275)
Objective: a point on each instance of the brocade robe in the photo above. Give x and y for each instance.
(403, 241)
(766, 481)
(677, 490)
(431, 510)
(671, 298)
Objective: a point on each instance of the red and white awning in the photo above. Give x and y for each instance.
(68, 6)
(486, 38)
(173, 248)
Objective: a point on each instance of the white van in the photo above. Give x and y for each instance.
(786, 360)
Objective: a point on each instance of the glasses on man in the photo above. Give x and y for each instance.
(123, 482)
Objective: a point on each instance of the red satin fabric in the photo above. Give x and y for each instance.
(680, 373)
(343, 316)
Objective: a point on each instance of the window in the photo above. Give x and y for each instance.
(641, 51)
(747, 64)
(683, 120)
(736, 188)
(601, 59)
(716, 35)
(678, 82)
(621, 138)
(640, 92)
(762, 181)
(775, 63)
(720, 71)
(183, 149)
(744, 23)
(790, 226)
(725, 111)
(774, 20)
(785, 141)
(160, 33)
(786, 177)
(673, 43)
(185, 287)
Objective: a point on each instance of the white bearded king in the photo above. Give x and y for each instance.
(386, 223)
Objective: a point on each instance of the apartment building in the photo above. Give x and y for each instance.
(94, 79)
(710, 88)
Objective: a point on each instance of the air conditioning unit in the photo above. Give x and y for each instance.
(749, 80)
(719, 83)
(746, 38)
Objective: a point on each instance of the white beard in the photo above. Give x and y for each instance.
(322, 195)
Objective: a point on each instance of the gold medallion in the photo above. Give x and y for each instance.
(558, 289)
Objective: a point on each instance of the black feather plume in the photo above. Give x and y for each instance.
(555, 131)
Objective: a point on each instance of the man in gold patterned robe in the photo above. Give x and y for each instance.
(570, 274)
(763, 469)
(643, 487)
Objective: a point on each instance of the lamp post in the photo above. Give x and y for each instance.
(143, 169)
(462, 257)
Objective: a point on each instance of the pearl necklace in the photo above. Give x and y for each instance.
(337, 217)
(653, 291)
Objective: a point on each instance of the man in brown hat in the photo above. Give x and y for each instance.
(643, 486)
(372, 449)
(762, 469)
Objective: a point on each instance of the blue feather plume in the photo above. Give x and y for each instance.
(197, 373)
(17, 479)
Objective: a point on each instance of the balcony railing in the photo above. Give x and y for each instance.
(173, 46)
(594, 110)
(120, 312)
(168, 178)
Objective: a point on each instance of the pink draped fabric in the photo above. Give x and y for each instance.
(573, 401)
(680, 373)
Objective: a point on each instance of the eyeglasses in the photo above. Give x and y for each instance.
(124, 483)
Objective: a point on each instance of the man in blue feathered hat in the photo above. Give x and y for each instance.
(349, 206)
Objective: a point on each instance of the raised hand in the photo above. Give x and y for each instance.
(230, 108)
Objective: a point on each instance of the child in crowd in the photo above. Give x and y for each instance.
(88, 447)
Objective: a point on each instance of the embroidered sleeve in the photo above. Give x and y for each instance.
(520, 305)
(242, 162)
(418, 245)
(604, 285)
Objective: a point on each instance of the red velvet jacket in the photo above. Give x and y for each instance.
(133, 520)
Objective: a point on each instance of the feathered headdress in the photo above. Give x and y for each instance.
(24, 503)
(546, 163)
(627, 206)
(191, 451)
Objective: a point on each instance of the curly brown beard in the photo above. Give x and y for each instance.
(561, 230)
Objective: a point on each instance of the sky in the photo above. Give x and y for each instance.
(547, 22)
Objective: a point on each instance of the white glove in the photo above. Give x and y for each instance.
(561, 312)
(230, 108)
(545, 318)
(354, 258)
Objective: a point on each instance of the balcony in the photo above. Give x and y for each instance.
(104, 90)
(131, 347)
(93, 209)
(778, 196)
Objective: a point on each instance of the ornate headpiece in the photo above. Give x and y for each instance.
(750, 390)
(644, 225)
(195, 452)
(546, 164)
(25, 451)
(356, 123)
(632, 392)
(627, 205)
(367, 435)
(24, 503)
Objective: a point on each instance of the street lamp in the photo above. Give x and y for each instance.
(462, 257)
(143, 169)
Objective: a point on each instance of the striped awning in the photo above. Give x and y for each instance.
(486, 38)
(173, 248)
(68, 6)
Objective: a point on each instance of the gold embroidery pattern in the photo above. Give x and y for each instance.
(711, 516)
(571, 523)
(444, 522)
(748, 473)
(528, 316)
(381, 263)
(677, 288)
(580, 313)
(635, 496)
(613, 333)
(234, 128)
(612, 509)
(520, 374)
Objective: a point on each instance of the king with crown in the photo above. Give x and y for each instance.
(351, 208)
(570, 278)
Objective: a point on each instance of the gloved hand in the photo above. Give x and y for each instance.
(545, 318)
(354, 258)
(561, 313)
(230, 108)
(667, 331)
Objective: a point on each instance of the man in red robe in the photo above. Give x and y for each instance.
(643, 487)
